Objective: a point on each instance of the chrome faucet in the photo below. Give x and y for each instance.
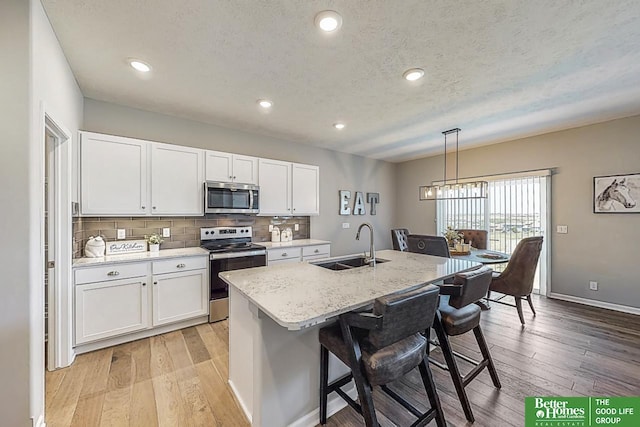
(371, 260)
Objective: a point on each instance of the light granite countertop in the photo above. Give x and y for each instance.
(293, 243)
(300, 295)
(140, 256)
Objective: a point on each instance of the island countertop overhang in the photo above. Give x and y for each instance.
(300, 295)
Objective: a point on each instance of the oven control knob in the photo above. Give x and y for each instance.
(206, 232)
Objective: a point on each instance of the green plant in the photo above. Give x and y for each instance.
(153, 239)
(452, 235)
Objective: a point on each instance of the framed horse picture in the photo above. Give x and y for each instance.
(616, 193)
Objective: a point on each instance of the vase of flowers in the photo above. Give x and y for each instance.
(452, 236)
(154, 241)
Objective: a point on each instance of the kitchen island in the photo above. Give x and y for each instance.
(274, 316)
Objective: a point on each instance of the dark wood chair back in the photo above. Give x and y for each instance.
(399, 238)
(477, 238)
(428, 245)
(474, 284)
(404, 315)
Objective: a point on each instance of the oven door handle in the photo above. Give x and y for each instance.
(244, 254)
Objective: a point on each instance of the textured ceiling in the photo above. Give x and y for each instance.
(498, 69)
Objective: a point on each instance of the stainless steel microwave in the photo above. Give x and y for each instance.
(228, 197)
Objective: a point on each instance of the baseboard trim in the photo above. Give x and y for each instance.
(39, 422)
(333, 405)
(243, 406)
(595, 303)
(121, 339)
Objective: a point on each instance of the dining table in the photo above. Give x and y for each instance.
(486, 257)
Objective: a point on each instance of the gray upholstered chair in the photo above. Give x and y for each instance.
(399, 238)
(457, 315)
(517, 278)
(477, 238)
(428, 245)
(381, 347)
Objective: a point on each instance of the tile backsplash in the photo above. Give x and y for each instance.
(185, 231)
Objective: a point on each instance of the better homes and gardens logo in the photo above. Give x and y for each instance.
(582, 411)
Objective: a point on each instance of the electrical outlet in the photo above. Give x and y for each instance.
(562, 229)
(593, 285)
(296, 227)
(166, 232)
(346, 225)
(270, 228)
(122, 233)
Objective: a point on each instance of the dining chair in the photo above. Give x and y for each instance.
(517, 278)
(399, 238)
(428, 245)
(457, 315)
(477, 238)
(380, 347)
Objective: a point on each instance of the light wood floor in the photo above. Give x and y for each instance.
(179, 379)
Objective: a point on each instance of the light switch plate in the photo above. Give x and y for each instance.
(122, 233)
(166, 232)
(346, 225)
(296, 227)
(593, 285)
(562, 229)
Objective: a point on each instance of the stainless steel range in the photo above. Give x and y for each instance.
(230, 248)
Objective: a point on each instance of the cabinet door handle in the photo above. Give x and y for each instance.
(316, 251)
(230, 177)
(234, 177)
(284, 254)
(144, 284)
(155, 283)
(154, 207)
(181, 266)
(113, 273)
(143, 207)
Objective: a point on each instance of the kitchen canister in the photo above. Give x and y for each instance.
(275, 234)
(95, 247)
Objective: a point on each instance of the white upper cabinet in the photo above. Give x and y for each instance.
(275, 187)
(113, 174)
(131, 177)
(288, 188)
(227, 167)
(177, 176)
(306, 189)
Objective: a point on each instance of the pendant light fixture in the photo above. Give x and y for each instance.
(450, 189)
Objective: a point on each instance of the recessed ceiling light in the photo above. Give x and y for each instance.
(413, 74)
(328, 20)
(339, 126)
(265, 103)
(140, 66)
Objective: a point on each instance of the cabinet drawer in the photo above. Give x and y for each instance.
(284, 261)
(176, 265)
(316, 250)
(110, 272)
(283, 253)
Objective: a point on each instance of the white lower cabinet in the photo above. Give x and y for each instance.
(120, 299)
(107, 309)
(179, 296)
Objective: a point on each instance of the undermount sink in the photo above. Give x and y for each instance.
(347, 263)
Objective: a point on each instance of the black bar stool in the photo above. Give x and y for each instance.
(380, 347)
(457, 315)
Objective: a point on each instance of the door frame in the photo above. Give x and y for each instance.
(60, 247)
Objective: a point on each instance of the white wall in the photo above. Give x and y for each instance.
(55, 88)
(16, 206)
(599, 247)
(33, 70)
(338, 171)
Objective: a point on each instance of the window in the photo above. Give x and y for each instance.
(517, 206)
